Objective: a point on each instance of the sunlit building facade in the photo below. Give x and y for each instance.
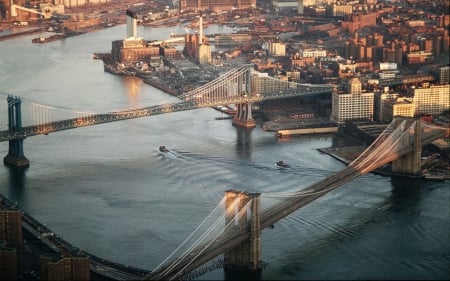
(355, 105)
(432, 99)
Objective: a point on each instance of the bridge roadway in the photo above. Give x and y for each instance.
(410, 79)
(270, 216)
(189, 103)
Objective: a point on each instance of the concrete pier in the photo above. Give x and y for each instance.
(243, 116)
(20, 162)
(15, 155)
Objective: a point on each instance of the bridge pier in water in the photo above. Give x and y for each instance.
(243, 116)
(410, 164)
(15, 155)
(243, 262)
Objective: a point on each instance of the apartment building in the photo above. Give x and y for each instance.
(354, 105)
(431, 99)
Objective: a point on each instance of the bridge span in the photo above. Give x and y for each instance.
(239, 86)
(400, 138)
(237, 233)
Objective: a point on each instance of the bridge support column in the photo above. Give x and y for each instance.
(244, 261)
(15, 155)
(243, 116)
(410, 164)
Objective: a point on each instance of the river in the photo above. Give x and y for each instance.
(109, 191)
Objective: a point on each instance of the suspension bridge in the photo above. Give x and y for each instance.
(239, 86)
(236, 230)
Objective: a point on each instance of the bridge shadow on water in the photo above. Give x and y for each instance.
(230, 274)
(243, 142)
(17, 181)
(405, 193)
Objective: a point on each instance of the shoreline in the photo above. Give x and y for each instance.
(100, 268)
(15, 34)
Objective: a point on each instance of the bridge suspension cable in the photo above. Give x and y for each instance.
(219, 87)
(184, 260)
(238, 216)
(39, 114)
(394, 142)
(221, 204)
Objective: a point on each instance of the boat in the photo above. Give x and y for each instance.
(162, 148)
(282, 164)
(42, 39)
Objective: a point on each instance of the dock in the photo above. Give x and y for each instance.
(10, 34)
(306, 131)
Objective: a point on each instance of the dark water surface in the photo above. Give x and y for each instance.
(108, 190)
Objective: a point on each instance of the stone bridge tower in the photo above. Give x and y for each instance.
(245, 259)
(410, 164)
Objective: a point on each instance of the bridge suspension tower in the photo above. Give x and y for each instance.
(244, 259)
(411, 163)
(15, 154)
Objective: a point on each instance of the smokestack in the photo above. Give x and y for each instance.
(201, 29)
(131, 24)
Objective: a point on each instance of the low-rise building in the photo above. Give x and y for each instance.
(431, 99)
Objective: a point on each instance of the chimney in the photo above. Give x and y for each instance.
(131, 25)
(200, 23)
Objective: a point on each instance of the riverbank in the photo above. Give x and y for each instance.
(306, 131)
(12, 33)
(38, 240)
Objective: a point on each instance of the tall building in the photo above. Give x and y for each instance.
(444, 75)
(8, 262)
(276, 48)
(11, 227)
(355, 105)
(380, 97)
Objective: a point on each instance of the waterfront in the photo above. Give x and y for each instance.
(108, 190)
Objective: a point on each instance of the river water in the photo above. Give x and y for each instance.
(109, 191)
